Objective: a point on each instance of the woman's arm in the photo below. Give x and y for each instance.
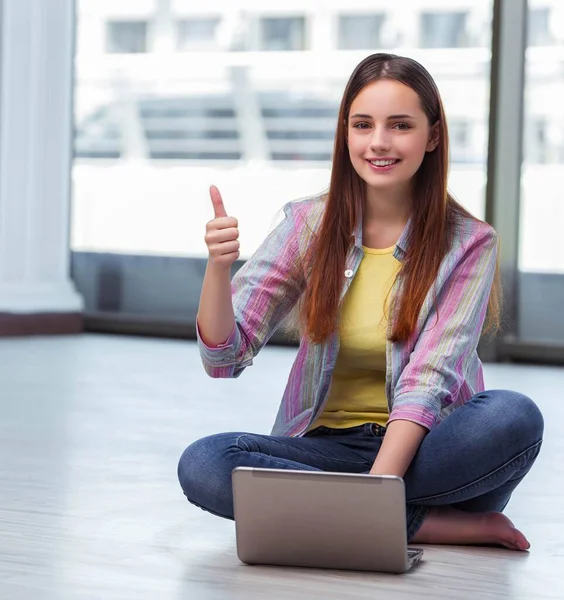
(261, 294)
(449, 337)
(435, 372)
(215, 319)
(401, 442)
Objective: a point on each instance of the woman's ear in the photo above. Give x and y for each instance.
(433, 137)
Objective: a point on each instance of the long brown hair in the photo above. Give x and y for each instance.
(433, 215)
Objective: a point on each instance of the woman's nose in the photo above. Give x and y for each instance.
(380, 139)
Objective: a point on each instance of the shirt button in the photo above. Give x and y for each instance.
(348, 273)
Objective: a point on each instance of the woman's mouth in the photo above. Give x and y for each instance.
(382, 165)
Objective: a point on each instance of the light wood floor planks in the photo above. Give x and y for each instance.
(90, 508)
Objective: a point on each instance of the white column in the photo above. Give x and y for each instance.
(36, 82)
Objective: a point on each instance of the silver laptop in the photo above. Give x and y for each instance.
(320, 519)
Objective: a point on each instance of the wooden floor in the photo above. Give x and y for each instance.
(91, 430)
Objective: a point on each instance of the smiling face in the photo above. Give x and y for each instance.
(388, 134)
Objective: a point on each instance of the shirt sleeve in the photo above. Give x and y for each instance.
(450, 335)
(264, 290)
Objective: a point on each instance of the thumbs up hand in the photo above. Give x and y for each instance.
(222, 234)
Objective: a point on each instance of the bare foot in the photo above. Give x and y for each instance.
(448, 525)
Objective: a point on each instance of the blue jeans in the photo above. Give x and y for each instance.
(472, 460)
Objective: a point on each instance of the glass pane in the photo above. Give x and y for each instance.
(127, 37)
(360, 32)
(444, 30)
(541, 252)
(197, 34)
(283, 34)
(539, 32)
(155, 129)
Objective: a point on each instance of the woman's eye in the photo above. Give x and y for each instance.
(402, 126)
(361, 126)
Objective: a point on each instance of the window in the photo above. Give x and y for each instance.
(360, 32)
(541, 243)
(282, 33)
(154, 130)
(197, 34)
(539, 29)
(126, 37)
(443, 30)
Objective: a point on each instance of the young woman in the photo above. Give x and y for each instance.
(393, 281)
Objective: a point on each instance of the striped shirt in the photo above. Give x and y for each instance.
(428, 376)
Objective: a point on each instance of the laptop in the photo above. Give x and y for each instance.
(321, 519)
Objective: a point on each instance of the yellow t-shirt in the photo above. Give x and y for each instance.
(358, 394)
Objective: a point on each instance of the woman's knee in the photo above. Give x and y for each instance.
(515, 413)
(200, 472)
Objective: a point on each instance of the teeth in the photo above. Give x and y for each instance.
(382, 163)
